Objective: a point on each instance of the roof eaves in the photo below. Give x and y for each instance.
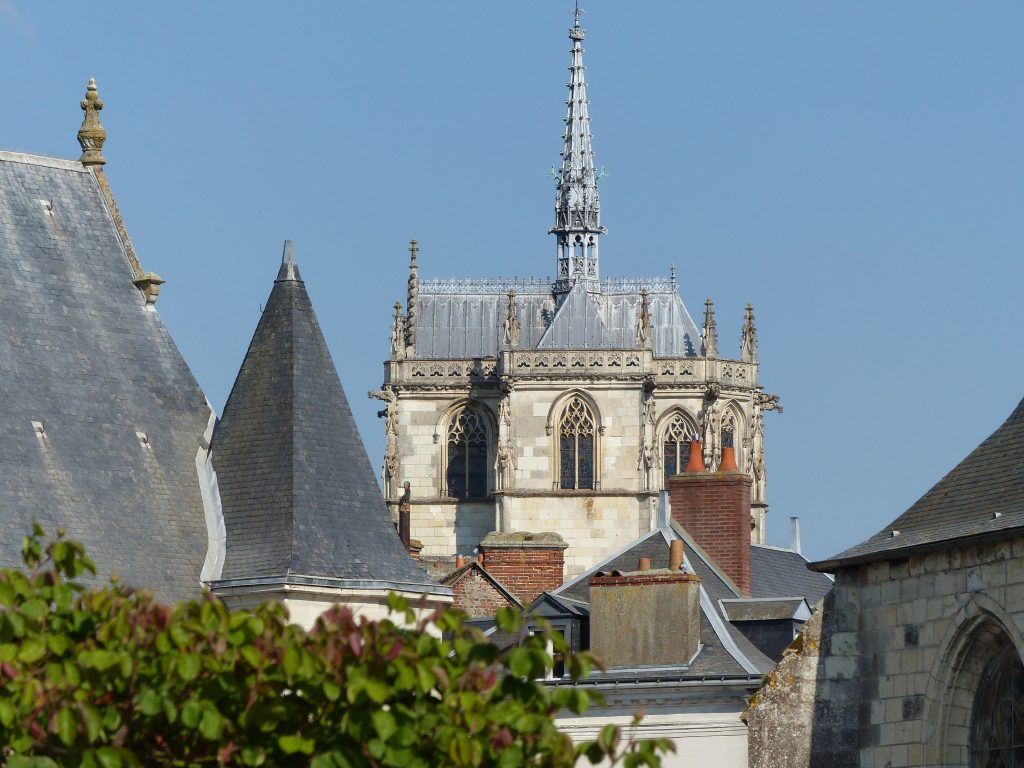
(879, 555)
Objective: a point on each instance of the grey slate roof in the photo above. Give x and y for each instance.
(299, 496)
(81, 354)
(777, 572)
(464, 318)
(983, 496)
(766, 609)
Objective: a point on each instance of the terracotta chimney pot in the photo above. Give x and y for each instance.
(675, 554)
(645, 564)
(696, 463)
(460, 561)
(728, 460)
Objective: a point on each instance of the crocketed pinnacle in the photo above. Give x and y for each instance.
(709, 336)
(748, 337)
(92, 134)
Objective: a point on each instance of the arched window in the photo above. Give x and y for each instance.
(729, 430)
(576, 444)
(997, 719)
(466, 473)
(676, 446)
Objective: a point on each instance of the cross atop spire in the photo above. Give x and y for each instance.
(577, 207)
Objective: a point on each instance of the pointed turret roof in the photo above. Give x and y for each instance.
(301, 502)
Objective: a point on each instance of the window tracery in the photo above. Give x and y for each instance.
(997, 719)
(576, 446)
(466, 470)
(676, 445)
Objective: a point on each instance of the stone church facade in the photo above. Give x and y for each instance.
(560, 405)
(914, 659)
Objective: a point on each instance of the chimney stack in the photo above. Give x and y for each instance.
(714, 508)
(526, 563)
(645, 618)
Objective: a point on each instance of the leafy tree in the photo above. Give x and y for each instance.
(108, 678)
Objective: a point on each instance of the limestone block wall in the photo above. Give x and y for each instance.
(594, 524)
(903, 647)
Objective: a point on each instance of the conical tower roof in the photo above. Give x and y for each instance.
(300, 500)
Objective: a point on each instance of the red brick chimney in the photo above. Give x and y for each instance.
(714, 508)
(526, 563)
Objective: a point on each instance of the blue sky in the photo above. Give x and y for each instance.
(853, 169)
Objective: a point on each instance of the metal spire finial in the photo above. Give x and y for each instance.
(576, 14)
(92, 134)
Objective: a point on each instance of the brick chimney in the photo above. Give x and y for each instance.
(645, 618)
(526, 563)
(714, 508)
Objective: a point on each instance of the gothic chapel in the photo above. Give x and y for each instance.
(540, 405)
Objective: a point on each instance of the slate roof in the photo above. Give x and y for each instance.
(83, 355)
(766, 609)
(983, 496)
(300, 499)
(465, 318)
(777, 572)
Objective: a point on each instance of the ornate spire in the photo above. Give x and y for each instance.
(414, 292)
(511, 331)
(577, 207)
(709, 337)
(748, 337)
(92, 134)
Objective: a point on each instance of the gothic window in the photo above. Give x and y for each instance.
(576, 446)
(466, 472)
(997, 722)
(729, 431)
(676, 446)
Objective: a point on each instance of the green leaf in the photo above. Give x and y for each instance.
(291, 661)
(108, 757)
(331, 690)
(34, 609)
(67, 729)
(211, 726)
(377, 691)
(7, 713)
(32, 650)
(384, 723)
(150, 702)
(292, 744)
(190, 713)
(188, 666)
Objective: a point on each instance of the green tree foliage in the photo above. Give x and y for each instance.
(108, 678)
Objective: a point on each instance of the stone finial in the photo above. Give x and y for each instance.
(149, 283)
(92, 134)
(748, 337)
(709, 337)
(511, 335)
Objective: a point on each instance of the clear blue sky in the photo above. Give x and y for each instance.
(853, 169)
